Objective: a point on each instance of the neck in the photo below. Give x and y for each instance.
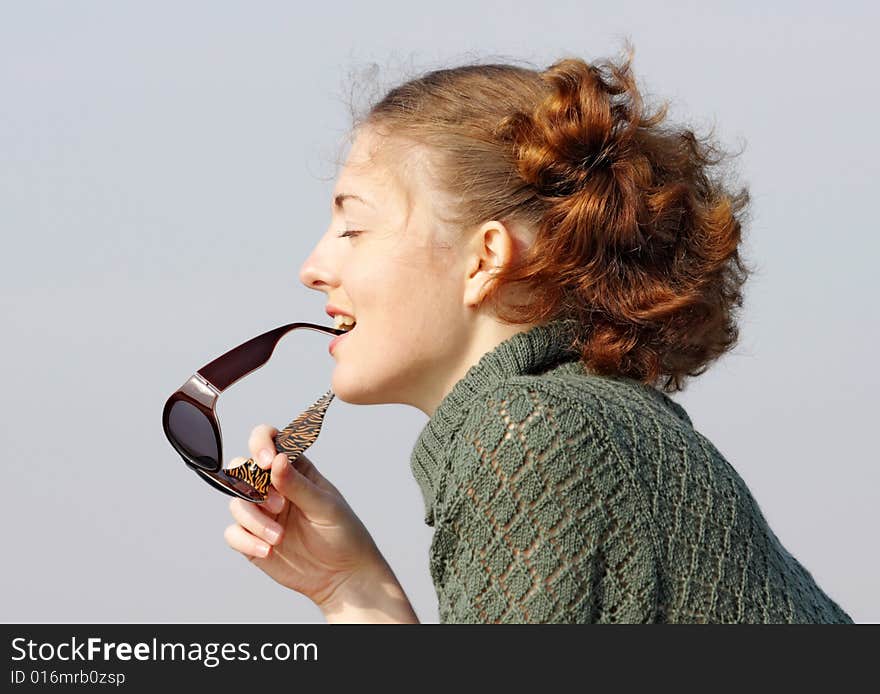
(483, 343)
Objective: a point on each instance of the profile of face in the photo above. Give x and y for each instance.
(416, 303)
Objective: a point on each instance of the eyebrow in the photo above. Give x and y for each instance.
(340, 199)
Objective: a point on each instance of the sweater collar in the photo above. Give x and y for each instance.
(533, 351)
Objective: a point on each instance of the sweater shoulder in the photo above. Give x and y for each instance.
(574, 432)
(613, 429)
(606, 404)
(533, 420)
(535, 494)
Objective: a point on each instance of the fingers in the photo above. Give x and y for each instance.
(262, 438)
(240, 539)
(274, 501)
(299, 481)
(253, 519)
(301, 491)
(262, 447)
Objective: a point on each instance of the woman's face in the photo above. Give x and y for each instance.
(413, 327)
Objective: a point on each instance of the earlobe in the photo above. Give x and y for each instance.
(474, 297)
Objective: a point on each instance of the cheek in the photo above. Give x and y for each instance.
(427, 320)
(400, 283)
(405, 301)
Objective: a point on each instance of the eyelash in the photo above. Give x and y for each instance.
(349, 232)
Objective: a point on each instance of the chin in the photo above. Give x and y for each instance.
(354, 393)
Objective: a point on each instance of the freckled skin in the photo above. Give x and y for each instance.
(420, 322)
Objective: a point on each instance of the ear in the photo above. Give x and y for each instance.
(492, 247)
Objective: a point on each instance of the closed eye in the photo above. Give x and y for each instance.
(349, 232)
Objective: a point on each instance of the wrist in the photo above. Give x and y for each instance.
(371, 594)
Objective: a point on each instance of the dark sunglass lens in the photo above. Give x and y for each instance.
(194, 433)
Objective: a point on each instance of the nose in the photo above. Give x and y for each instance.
(316, 271)
(311, 275)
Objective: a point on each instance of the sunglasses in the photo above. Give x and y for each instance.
(191, 425)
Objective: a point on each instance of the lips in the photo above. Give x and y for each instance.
(336, 340)
(332, 311)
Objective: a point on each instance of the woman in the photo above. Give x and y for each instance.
(534, 262)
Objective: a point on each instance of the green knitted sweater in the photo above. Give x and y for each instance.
(557, 495)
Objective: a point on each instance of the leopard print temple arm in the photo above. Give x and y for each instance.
(295, 438)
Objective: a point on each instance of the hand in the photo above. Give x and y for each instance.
(320, 543)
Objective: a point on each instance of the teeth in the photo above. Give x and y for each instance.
(344, 322)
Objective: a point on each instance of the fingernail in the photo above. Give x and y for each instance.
(262, 549)
(266, 456)
(272, 535)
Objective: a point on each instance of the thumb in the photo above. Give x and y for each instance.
(298, 488)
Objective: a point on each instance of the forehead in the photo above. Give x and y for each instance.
(369, 173)
(391, 174)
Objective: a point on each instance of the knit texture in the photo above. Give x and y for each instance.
(557, 495)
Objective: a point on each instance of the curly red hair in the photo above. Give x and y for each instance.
(631, 234)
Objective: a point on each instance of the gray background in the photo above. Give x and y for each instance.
(166, 167)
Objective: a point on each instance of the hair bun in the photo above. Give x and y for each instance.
(580, 129)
